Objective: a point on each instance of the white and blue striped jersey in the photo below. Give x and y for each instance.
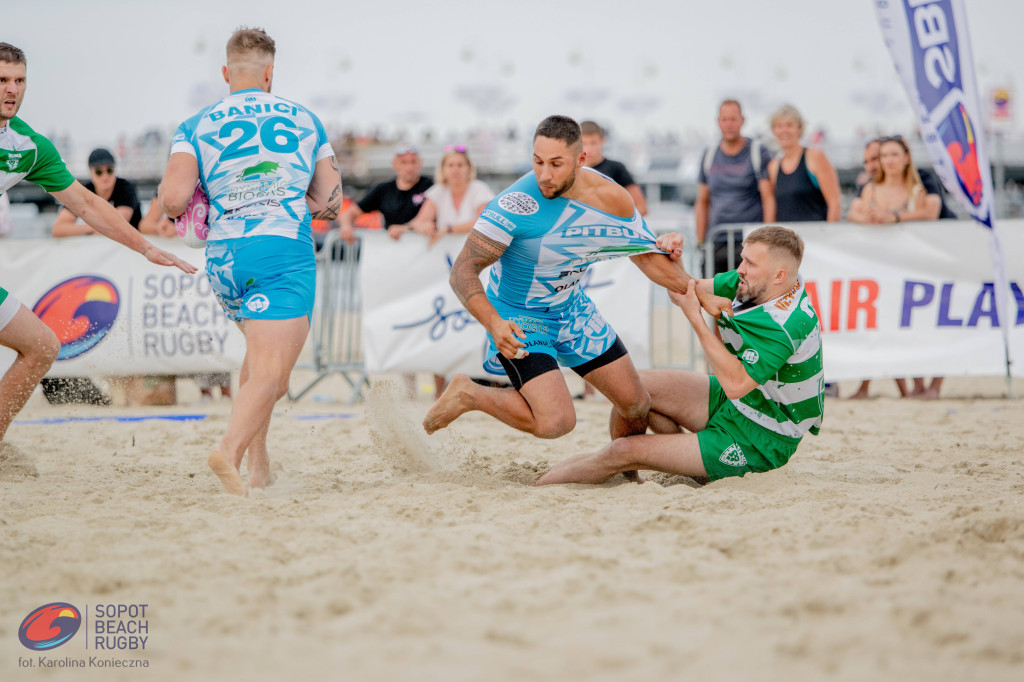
(256, 153)
(551, 243)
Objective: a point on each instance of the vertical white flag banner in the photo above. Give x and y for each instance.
(931, 48)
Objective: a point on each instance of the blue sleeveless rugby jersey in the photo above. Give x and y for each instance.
(256, 153)
(551, 243)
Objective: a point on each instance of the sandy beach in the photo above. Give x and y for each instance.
(890, 548)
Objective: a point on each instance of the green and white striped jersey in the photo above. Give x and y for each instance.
(779, 344)
(27, 155)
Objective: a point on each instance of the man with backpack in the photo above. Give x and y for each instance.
(733, 185)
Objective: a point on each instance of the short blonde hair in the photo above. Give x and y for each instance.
(787, 111)
(778, 238)
(439, 173)
(246, 39)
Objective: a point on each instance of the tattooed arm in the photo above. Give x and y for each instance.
(478, 253)
(324, 193)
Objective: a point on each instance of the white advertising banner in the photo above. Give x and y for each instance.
(117, 314)
(413, 321)
(914, 299)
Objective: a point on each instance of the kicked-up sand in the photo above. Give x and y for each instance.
(890, 548)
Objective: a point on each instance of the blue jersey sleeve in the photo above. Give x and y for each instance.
(506, 212)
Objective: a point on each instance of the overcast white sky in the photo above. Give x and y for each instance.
(100, 68)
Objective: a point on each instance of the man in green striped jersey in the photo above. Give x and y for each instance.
(25, 154)
(768, 385)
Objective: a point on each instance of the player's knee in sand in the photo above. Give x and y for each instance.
(554, 424)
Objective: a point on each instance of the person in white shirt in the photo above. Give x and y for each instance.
(453, 204)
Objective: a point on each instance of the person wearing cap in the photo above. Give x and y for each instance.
(106, 185)
(398, 200)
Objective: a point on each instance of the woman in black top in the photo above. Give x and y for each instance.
(805, 183)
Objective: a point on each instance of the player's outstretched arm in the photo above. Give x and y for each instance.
(105, 219)
(731, 373)
(324, 193)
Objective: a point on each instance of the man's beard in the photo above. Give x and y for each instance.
(564, 188)
(752, 295)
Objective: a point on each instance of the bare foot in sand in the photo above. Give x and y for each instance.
(227, 473)
(260, 475)
(454, 402)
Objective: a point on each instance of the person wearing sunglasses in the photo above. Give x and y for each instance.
(103, 181)
(455, 201)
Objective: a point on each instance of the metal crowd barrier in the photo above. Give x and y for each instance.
(336, 331)
(730, 231)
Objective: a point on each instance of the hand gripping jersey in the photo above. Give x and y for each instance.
(256, 154)
(779, 344)
(25, 154)
(551, 243)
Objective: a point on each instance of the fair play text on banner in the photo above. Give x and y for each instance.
(117, 314)
(414, 322)
(931, 49)
(913, 299)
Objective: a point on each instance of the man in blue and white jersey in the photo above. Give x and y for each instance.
(541, 234)
(268, 169)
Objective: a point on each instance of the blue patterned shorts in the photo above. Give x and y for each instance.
(262, 278)
(573, 336)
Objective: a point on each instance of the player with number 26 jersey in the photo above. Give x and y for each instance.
(256, 153)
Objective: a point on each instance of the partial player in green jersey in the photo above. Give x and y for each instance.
(768, 386)
(27, 155)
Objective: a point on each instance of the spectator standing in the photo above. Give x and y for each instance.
(451, 206)
(896, 194)
(733, 184)
(593, 145)
(805, 184)
(103, 182)
(398, 200)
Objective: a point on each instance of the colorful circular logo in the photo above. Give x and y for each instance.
(49, 626)
(80, 311)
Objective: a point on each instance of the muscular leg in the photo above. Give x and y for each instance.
(272, 347)
(543, 406)
(675, 454)
(257, 457)
(619, 382)
(678, 399)
(37, 347)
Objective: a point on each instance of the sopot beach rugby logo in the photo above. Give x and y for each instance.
(50, 626)
(80, 311)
